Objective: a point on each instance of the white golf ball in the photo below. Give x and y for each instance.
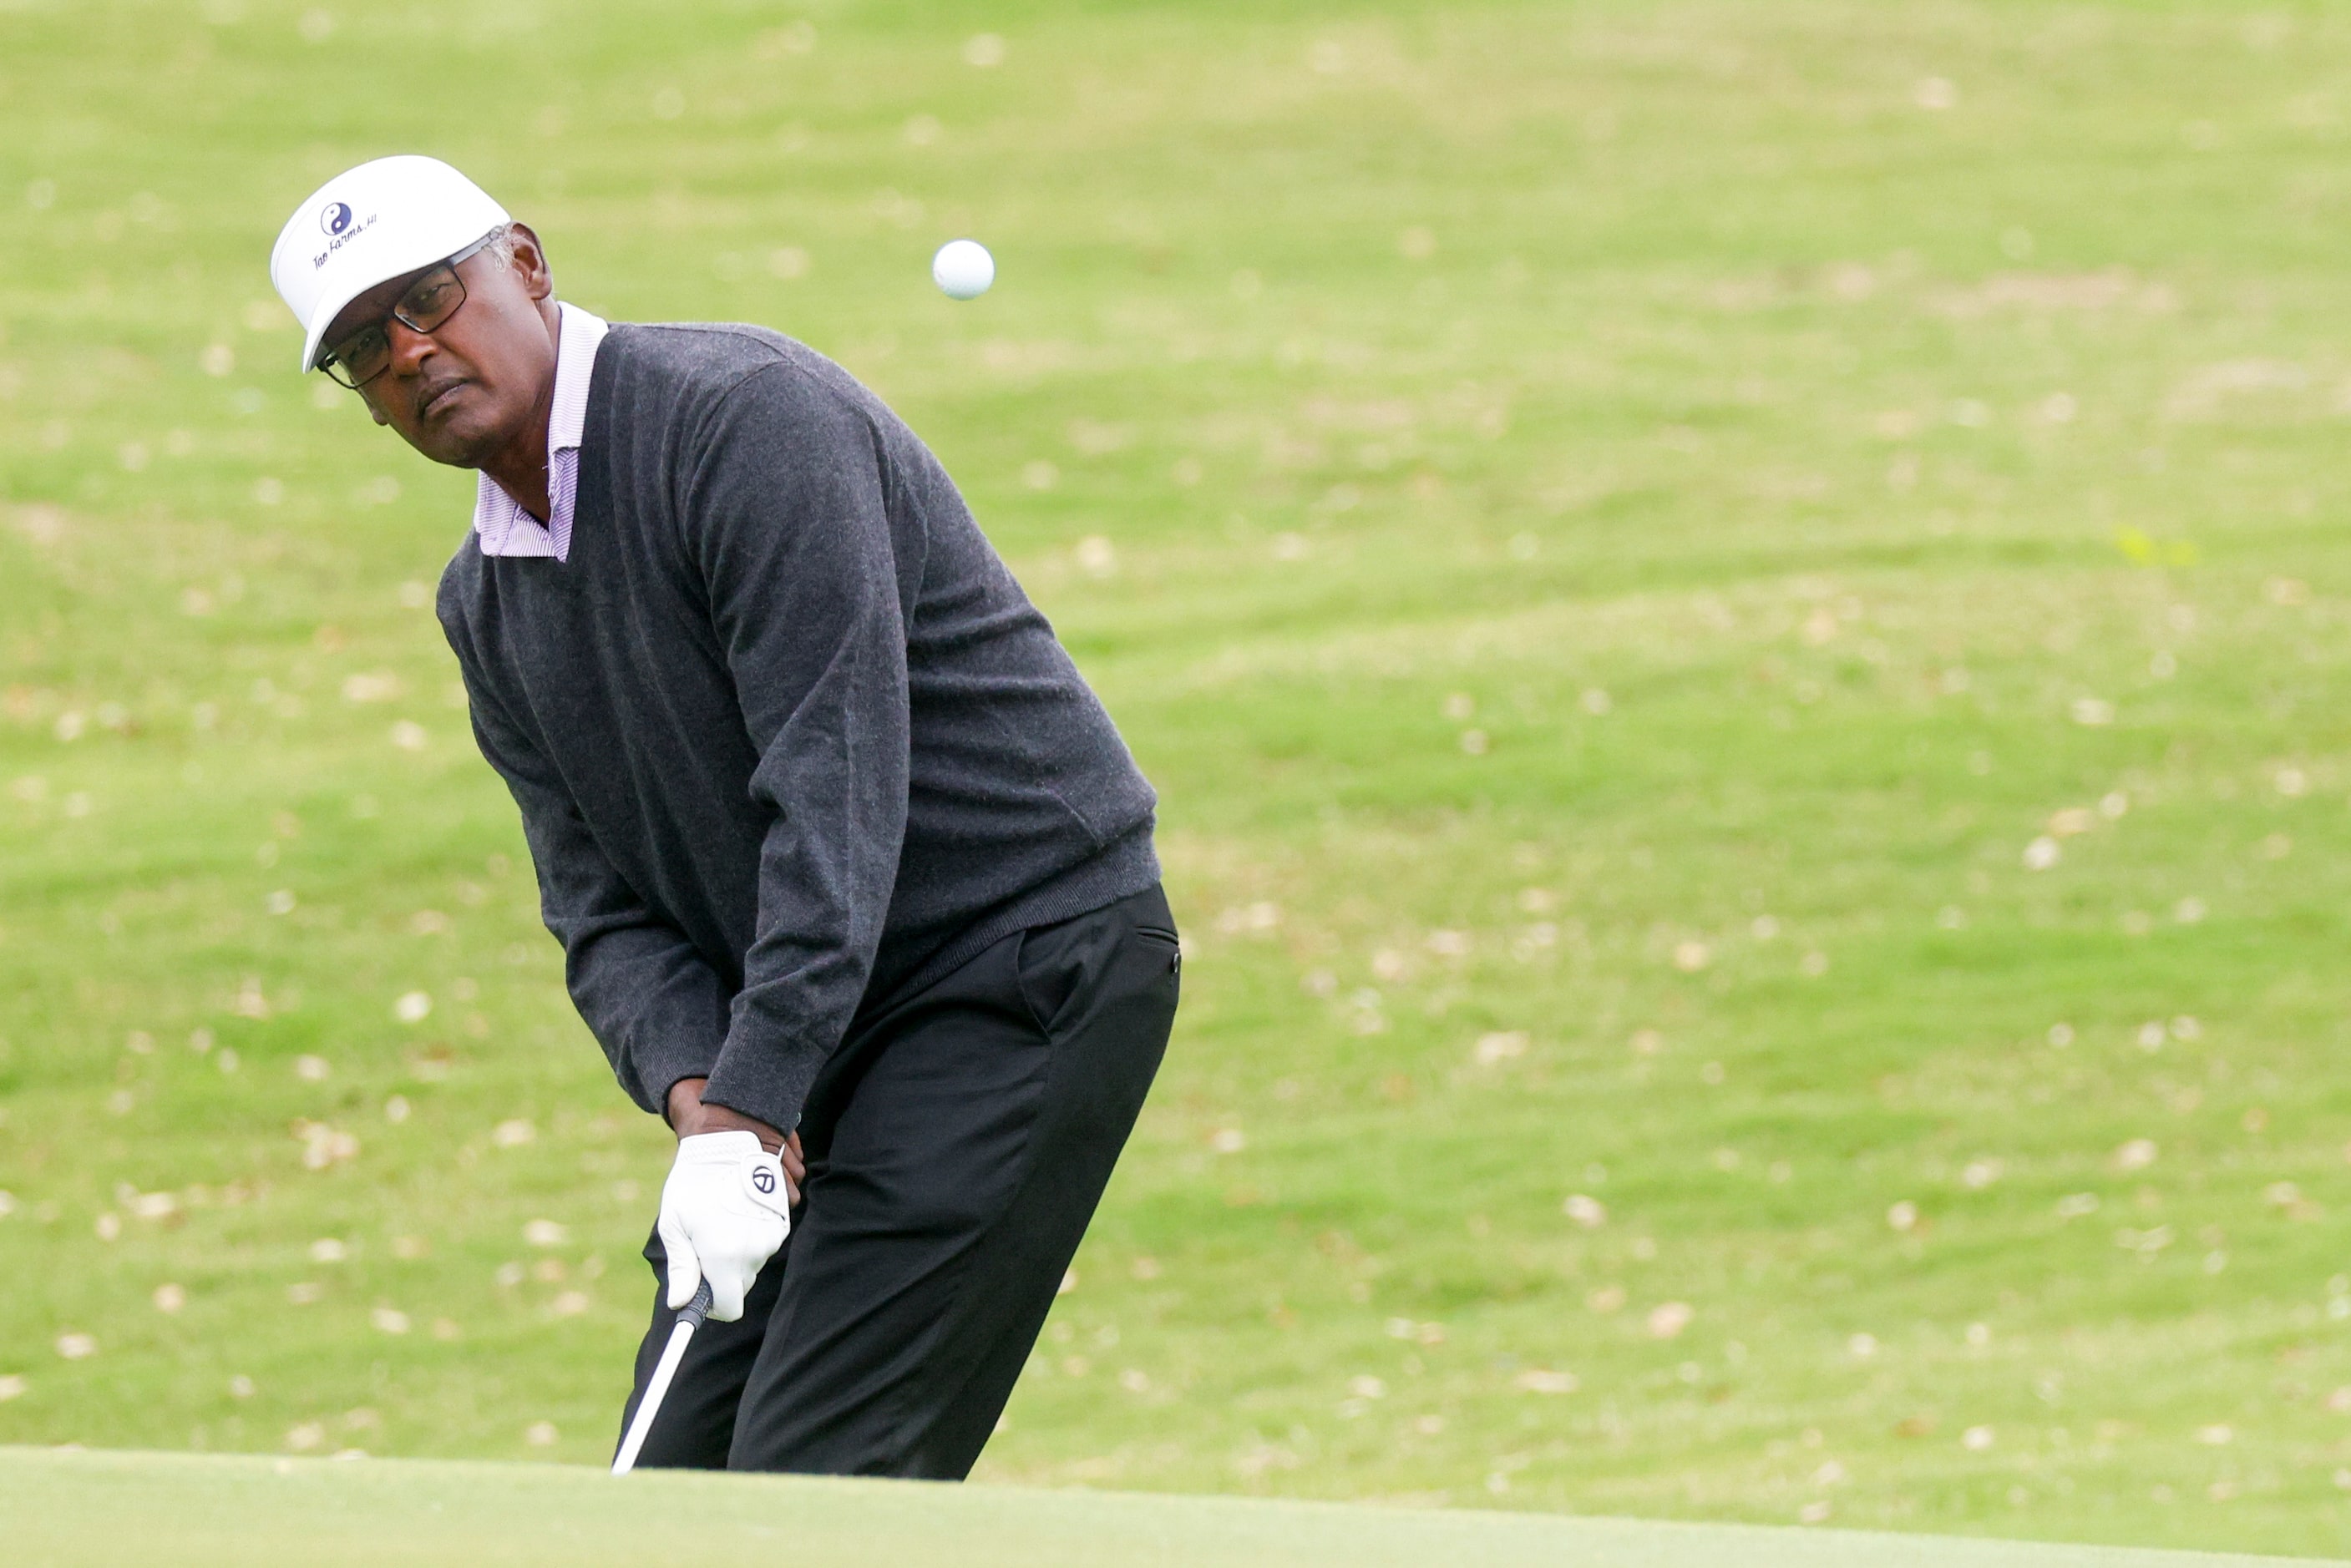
(963, 269)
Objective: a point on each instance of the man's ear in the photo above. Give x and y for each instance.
(531, 263)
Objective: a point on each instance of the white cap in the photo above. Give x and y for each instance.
(370, 224)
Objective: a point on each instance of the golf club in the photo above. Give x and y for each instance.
(680, 1335)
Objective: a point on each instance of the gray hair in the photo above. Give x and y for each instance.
(500, 247)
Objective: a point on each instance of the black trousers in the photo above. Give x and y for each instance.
(956, 1146)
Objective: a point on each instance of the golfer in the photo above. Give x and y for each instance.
(853, 876)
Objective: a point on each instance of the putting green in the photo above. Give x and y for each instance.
(60, 1506)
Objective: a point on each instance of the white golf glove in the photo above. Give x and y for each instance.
(723, 1214)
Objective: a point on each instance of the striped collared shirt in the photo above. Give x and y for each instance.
(507, 529)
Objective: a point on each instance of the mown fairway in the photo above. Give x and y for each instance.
(96, 1511)
(1738, 608)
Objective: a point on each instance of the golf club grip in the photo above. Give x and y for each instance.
(689, 1318)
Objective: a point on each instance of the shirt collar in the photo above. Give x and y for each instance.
(500, 521)
(575, 363)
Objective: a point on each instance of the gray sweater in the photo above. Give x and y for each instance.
(787, 737)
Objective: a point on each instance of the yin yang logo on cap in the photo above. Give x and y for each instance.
(335, 218)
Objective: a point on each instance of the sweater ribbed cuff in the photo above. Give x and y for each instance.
(657, 1068)
(769, 1083)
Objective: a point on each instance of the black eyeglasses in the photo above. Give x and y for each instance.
(426, 305)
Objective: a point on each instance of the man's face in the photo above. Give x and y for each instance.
(475, 384)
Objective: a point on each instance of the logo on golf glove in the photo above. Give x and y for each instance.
(722, 1216)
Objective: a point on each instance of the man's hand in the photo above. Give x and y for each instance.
(688, 1115)
(724, 1212)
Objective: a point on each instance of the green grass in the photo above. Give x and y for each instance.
(83, 1509)
(1614, 527)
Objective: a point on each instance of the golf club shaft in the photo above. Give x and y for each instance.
(680, 1335)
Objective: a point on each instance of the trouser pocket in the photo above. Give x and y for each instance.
(1065, 970)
